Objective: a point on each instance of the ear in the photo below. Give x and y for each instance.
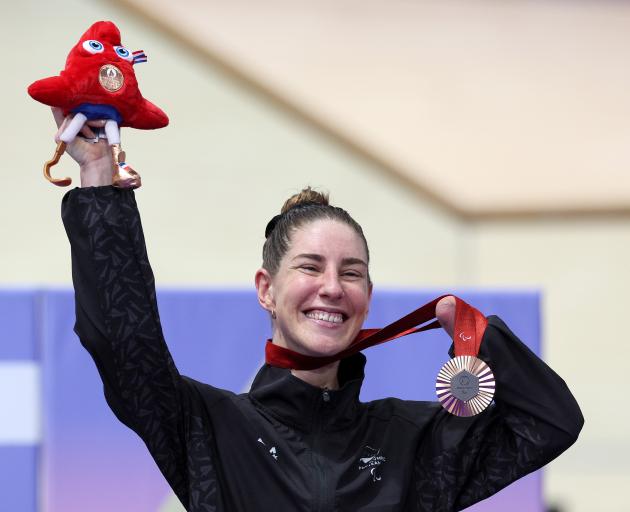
(264, 289)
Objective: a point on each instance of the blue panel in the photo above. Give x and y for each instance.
(18, 478)
(18, 326)
(215, 336)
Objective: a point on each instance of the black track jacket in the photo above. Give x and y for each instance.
(285, 445)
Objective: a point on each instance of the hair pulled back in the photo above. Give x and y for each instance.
(300, 209)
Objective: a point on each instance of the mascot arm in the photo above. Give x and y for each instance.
(51, 91)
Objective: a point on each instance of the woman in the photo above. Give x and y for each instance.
(299, 440)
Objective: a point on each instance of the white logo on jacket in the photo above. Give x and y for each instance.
(371, 460)
(272, 451)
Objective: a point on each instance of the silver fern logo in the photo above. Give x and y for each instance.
(372, 460)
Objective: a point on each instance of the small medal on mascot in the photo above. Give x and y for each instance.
(99, 82)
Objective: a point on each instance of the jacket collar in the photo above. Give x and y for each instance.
(305, 407)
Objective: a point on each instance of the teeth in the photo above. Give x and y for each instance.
(335, 318)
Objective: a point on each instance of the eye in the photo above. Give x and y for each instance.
(123, 53)
(93, 46)
(307, 268)
(353, 274)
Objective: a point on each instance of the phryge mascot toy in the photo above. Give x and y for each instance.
(99, 82)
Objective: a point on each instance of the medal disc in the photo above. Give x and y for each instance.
(110, 77)
(465, 386)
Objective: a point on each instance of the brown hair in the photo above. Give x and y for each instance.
(300, 209)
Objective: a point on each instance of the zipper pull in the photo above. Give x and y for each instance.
(325, 395)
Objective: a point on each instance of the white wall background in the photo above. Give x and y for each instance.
(217, 174)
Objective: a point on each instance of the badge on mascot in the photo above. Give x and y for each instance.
(99, 82)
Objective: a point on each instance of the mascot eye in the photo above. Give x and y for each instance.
(124, 53)
(93, 46)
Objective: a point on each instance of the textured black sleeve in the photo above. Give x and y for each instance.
(534, 418)
(117, 322)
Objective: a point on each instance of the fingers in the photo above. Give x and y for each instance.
(87, 127)
(87, 132)
(97, 123)
(445, 313)
(62, 126)
(63, 121)
(58, 115)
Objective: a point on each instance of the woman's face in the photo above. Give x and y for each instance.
(320, 294)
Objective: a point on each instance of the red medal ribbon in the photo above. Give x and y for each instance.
(468, 331)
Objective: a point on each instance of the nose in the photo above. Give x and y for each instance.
(331, 286)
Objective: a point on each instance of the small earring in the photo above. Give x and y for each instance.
(273, 314)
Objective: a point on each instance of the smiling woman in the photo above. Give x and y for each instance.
(315, 280)
(299, 440)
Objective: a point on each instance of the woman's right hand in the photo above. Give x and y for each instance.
(94, 158)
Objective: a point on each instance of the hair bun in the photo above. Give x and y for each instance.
(306, 196)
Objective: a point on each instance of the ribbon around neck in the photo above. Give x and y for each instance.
(468, 331)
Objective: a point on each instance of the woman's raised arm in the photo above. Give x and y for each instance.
(117, 318)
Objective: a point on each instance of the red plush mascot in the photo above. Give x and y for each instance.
(99, 82)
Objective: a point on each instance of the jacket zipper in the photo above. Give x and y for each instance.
(321, 499)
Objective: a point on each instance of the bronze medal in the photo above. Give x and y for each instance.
(110, 77)
(465, 386)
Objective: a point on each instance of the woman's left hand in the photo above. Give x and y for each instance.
(445, 313)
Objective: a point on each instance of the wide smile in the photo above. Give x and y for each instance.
(325, 318)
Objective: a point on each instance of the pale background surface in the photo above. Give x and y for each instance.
(238, 145)
(443, 93)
